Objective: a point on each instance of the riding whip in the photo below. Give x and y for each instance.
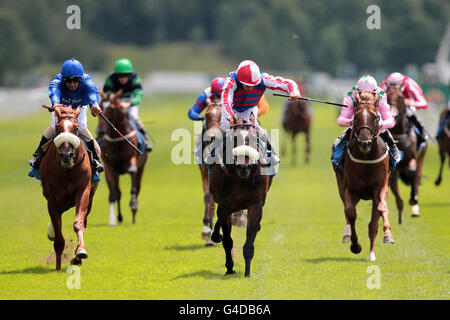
(120, 134)
(314, 100)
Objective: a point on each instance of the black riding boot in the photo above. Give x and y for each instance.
(413, 119)
(96, 165)
(387, 137)
(148, 146)
(38, 154)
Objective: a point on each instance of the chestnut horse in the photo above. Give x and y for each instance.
(444, 145)
(409, 169)
(296, 119)
(65, 172)
(236, 185)
(365, 174)
(119, 157)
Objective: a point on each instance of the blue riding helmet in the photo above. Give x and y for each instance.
(72, 68)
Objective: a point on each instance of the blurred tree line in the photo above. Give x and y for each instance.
(279, 34)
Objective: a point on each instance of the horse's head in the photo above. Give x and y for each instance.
(396, 100)
(112, 107)
(245, 154)
(212, 119)
(66, 128)
(366, 120)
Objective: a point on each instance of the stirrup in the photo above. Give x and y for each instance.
(97, 166)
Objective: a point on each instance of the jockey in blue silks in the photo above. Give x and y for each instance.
(72, 87)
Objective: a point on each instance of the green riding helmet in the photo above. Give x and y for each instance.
(123, 66)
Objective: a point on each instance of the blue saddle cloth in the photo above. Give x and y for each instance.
(34, 173)
(338, 152)
(141, 144)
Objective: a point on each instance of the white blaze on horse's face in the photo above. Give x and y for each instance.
(67, 125)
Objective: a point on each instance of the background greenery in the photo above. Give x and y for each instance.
(289, 35)
(298, 252)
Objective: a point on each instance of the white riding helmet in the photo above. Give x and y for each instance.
(366, 83)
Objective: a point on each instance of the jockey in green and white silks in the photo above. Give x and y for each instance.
(124, 78)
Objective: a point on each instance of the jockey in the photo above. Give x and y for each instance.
(243, 90)
(414, 98)
(72, 87)
(210, 94)
(124, 78)
(345, 119)
(214, 91)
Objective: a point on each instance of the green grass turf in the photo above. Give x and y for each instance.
(298, 252)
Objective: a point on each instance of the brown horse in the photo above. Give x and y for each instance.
(296, 119)
(365, 174)
(237, 184)
(210, 130)
(66, 181)
(409, 169)
(119, 157)
(444, 145)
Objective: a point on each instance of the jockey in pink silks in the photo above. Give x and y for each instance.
(345, 119)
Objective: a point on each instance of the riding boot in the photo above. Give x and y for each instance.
(413, 119)
(387, 137)
(96, 165)
(267, 142)
(38, 154)
(148, 146)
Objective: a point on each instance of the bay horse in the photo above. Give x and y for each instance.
(118, 157)
(297, 118)
(65, 172)
(444, 145)
(409, 169)
(236, 185)
(209, 131)
(365, 174)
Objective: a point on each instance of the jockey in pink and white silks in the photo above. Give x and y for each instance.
(387, 121)
(413, 95)
(242, 91)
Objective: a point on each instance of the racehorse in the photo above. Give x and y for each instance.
(365, 174)
(236, 185)
(211, 126)
(65, 172)
(409, 169)
(119, 157)
(444, 146)
(296, 119)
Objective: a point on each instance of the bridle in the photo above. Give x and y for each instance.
(373, 132)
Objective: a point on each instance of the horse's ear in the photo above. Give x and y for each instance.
(77, 111)
(252, 118)
(103, 94)
(57, 111)
(357, 97)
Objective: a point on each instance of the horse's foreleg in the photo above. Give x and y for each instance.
(81, 207)
(442, 156)
(308, 146)
(227, 241)
(294, 150)
(384, 212)
(340, 183)
(398, 199)
(112, 180)
(59, 242)
(133, 202)
(254, 216)
(208, 200)
(350, 202)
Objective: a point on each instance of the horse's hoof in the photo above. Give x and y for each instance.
(355, 248)
(81, 254)
(388, 239)
(216, 237)
(415, 211)
(75, 262)
(50, 232)
(209, 243)
(346, 239)
(230, 272)
(372, 256)
(437, 182)
(206, 233)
